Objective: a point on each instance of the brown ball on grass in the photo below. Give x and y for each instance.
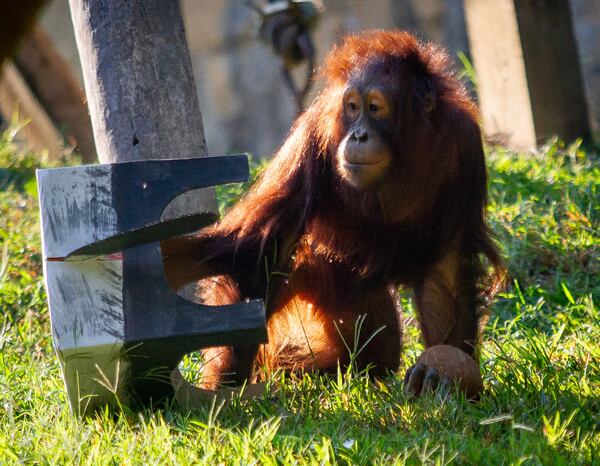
(456, 365)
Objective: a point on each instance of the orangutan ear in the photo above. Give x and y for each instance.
(426, 95)
(429, 102)
(430, 97)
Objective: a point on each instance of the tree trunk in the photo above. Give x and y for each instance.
(51, 80)
(139, 85)
(529, 80)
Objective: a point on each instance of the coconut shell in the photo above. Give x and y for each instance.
(455, 365)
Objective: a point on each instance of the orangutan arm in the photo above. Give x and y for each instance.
(447, 310)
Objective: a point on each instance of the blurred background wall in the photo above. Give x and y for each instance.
(245, 103)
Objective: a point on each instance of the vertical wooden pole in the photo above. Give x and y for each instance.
(139, 84)
(16, 96)
(529, 79)
(51, 80)
(553, 71)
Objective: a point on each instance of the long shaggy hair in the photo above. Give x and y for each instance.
(301, 215)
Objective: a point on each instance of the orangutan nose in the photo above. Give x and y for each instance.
(360, 134)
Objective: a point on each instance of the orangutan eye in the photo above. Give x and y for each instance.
(352, 107)
(374, 108)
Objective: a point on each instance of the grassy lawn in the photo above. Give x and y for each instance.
(540, 359)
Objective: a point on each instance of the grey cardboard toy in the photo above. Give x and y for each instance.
(118, 328)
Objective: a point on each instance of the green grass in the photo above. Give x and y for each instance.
(540, 359)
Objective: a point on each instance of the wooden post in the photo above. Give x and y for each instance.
(51, 80)
(143, 105)
(529, 80)
(16, 98)
(139, 85)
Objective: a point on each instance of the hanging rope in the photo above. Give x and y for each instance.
(286, 25)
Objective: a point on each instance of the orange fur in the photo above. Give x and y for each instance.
(323, 253)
